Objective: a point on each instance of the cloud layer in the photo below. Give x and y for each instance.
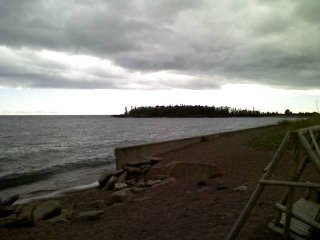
(142, 44)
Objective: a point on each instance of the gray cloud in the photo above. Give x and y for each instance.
(213, 42)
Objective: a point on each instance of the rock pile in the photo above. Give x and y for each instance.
(130, 176)
(50, 211)
(28, 214)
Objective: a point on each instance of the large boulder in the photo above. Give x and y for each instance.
(23, 219)
(47, 210)
(110, 184)
(10, 200)
(104, 178)
(198, 171)
(7, 210)
(118, 197)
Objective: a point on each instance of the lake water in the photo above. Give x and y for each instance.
(40, 154)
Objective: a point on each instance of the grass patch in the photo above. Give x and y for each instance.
(272, 138)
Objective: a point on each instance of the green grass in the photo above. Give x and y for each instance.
(272, 138)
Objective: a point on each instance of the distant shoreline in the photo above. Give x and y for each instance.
(197, 111)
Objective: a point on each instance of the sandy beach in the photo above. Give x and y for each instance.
(180, 209)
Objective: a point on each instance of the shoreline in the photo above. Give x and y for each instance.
(178, 207)
(60, 192)
(182, 208)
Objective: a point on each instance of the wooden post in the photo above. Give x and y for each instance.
(289, 212)
(259, 189)
(314, 141)
(313, 157)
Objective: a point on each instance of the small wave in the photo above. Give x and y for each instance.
(15, 179)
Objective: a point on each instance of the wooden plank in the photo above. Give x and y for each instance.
(297, 215)
(314, 141)
(280, 230)
(313, 157)
(290, 184)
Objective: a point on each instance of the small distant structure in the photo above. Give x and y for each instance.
(300, 219)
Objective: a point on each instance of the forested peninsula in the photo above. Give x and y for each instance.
(198, 111)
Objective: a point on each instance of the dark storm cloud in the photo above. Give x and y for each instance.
(213, 42)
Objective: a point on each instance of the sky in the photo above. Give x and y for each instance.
(98, 57)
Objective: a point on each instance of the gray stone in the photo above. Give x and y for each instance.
(154, 160)
(153, 182)
(145, 168)
(131, 181)
(221, 185)
(10, 200)
(7, 210)
(23, 219)
(123, 177)
(132, 170)
(118, 197)
(119, 185)
(104, 178)
(59, 218)
(46, 210)
(137, 189)
(140, 184)
(88, 216)
(241, 188)
(6, 221)
(110, 184)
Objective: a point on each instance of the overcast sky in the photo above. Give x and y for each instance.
(95, 57)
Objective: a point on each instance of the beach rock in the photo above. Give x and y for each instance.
(138, 189)
(151, 183)
(5, 222)
(118, 197)
(131, 181)
(119, 185)
(10, 200)
(122, 178)
(23, 219)
(140, 184)
(46, 210)
(241, 188)
(221, 185)
(104, 178)
(110, 184)
(7, 210)
(168, 180)
(145, 168)
(154, 160)
(59, 218)
(88, 216)
(65, 215)
(198, 171)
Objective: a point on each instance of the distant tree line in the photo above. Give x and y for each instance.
(184, 111)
